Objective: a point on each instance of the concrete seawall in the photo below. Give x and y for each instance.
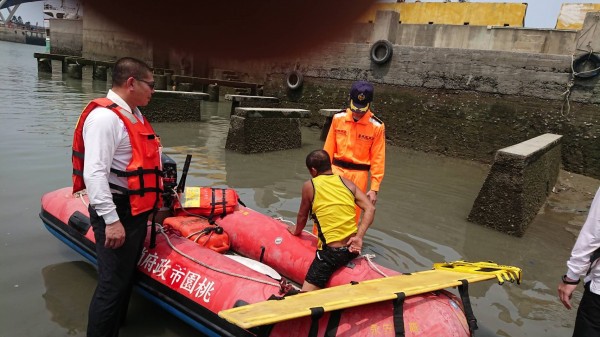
(463, 95)
(462, 91)
(517, 185)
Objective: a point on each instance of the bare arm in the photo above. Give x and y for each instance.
(304, 210)
(361, 199)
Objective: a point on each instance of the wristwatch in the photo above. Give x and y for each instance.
(565, 281)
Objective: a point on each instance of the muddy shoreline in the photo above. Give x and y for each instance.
(572, 196)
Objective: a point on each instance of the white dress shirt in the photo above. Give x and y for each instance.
(106, 145)
(587, 242)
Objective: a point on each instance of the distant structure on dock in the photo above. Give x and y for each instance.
(65, 10)
(572, 15)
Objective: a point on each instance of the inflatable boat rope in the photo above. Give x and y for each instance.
(367, 257)
(161, 230)
(282, 286)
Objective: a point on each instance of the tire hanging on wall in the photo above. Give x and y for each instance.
(579, 66)
(377, 48)
(294, 80)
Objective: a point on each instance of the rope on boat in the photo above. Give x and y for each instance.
(367, 257)
(191, 258)
(80, 195)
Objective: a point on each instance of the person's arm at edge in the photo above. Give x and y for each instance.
(377, 162)
(587, 242)
(330, 145)
(304, 210)
(361, 199)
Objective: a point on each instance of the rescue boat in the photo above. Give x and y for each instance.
(196, 282)
(205, 269)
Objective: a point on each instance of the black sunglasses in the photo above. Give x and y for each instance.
(150, 84)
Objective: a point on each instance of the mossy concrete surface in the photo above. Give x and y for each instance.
(517, 185)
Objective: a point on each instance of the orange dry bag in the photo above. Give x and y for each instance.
(200, 231)
(206, 201)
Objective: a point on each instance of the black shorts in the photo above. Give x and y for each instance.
(326, 262)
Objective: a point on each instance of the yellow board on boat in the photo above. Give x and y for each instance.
(445, 275)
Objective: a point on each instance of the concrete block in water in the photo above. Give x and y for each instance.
(174, 106)
(44, 65)
(328, 113)
(75, 71)
(160, 82)
(255, 130)
(185, 87)
(213, 92)
(100, 73)
(256, 101)
(517, 185)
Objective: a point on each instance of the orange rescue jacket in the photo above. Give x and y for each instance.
(144, 175)
(359, 145)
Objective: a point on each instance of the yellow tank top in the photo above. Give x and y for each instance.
(333, 204)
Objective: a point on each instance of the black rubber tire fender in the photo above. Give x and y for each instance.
(294, 80)
(581, 60)
(376, 48)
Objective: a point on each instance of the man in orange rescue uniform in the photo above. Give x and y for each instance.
(356, 142)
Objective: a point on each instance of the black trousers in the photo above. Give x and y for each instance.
(116, 268)
(587, 323)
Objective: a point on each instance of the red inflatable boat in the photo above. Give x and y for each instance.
(198, 269)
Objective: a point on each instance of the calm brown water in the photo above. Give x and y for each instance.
(45, 287)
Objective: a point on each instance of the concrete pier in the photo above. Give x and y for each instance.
(44, 65)
(174, 106)
(100, 73)
(237, 100)
(213, 92)
(328, 113)
(75, 71)
(517, 185)
(160, 82)
(254, 130)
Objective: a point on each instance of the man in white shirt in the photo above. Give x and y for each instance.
(584, 262)
(111, 140)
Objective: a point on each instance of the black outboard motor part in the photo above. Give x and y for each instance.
(169, 179)
(186, 167)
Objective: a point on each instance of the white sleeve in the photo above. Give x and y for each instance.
(101, 134)
(587, 242)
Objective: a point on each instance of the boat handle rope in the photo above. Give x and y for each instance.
(191, 258)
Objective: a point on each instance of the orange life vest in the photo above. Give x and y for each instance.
(207, 201)
(200, 231)
(144, 175)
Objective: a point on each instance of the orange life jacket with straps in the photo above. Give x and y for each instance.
(207, 201)
(144, 175)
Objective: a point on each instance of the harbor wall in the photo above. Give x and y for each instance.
(22, 34)
(104, 40)
(66, 37)
(462, 91)
(12, 35)
(459, 102)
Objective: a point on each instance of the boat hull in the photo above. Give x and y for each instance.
(195, 283)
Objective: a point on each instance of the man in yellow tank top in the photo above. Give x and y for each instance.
(332, 200)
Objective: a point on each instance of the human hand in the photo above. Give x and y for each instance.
(292, 230)
(354, 244)
(565, 292)
(372, 195)
(115, 235)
